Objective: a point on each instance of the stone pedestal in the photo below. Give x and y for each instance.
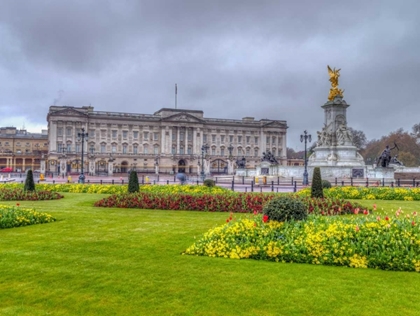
(335, 142)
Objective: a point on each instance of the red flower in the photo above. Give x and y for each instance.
(17, 204)
(365, 212)
(265, 218)
(387, 218)
(413, 223)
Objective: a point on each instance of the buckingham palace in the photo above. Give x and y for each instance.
(168, 141)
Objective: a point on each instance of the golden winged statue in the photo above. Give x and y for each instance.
(334, 91)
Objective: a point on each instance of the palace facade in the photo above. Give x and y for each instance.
(21, 150)
(168, 141)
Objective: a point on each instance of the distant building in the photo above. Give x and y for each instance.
(21, 150)
(168, 141)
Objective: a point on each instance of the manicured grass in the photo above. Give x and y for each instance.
(97, 261)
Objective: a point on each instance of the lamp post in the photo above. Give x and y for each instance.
(305, 137)
(82, 136)
(204, 149)
(230, 148)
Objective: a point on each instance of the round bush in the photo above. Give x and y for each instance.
(209, 183)
(326, 184)
(285, 208)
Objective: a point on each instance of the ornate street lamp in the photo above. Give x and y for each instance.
(305, 137)
(82, 137)
(230, 148)
(204, 149)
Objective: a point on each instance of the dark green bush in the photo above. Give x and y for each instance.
(29, 182)
(316, 190)
(326, 184)
(285, 208)
(209, 183)
(133, 182)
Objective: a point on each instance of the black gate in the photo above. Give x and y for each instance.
(219, 166)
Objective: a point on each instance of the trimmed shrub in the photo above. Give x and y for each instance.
(316, 190)
(133, 182)
(285, 208)
(209, 183)
(326, 184)
(29, 182)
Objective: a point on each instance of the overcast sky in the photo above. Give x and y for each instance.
(230, 58)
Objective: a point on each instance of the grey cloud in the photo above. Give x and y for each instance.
(265, 59)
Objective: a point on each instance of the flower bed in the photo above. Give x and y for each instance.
(219, 202)
(370, 193)
(18, 194)
(15, 216)
(390, 243)
(118, 189)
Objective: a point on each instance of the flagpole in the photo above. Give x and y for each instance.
(176, 94)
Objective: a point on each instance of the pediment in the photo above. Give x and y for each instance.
(276, 124)
(68, 112)
(183, 117)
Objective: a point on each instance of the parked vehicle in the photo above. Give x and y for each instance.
(7, 169)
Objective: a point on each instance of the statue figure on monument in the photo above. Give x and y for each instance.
(343, 134)
(241, 163)
(395, 161)
(269, 157)
(334, 91)
(385, 158)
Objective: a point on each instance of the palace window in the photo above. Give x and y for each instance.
(239, 139)
(114, 134)
(135, 149)
(124, 148)
(222, 138)
(68, 131)
(231, 138)
(256, 140)
(189, 151)
(155, 136)
(125, 133)
(103, 148)
(114, 148)
(135, 134)
(156, 150)
(60, 131)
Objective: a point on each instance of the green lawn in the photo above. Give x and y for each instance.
(97, 261)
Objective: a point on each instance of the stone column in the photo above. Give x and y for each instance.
(230, 166)
(110, 168)
(42, 167)
(63, 167)
(177, 141)
(163, 147)
(92, 170)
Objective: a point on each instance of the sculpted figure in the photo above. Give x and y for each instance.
(385, 158)
(343, 134)
(334, 91)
